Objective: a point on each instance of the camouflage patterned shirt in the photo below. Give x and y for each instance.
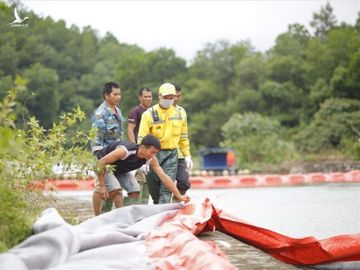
(109, 126)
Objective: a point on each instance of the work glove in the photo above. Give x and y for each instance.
(145, 168)
(189, 163)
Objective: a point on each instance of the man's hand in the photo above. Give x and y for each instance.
(104, 194)
(189, 163)
(145, 168)
(184, 198)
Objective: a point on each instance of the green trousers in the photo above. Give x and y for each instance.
(168, 160)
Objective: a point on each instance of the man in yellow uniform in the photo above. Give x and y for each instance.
(165, 122)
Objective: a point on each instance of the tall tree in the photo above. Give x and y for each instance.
(44, 103)
(323, 21)
(357, 23)
(283, 101)
(249, 72)
(217, 62)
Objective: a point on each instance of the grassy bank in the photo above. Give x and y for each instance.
(18, 214)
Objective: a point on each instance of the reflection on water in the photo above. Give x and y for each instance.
(320, 211)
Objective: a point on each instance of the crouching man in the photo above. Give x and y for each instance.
(126, 156)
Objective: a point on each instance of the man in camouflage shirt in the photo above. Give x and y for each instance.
(108, 121)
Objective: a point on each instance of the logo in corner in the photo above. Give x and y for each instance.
(18, 22)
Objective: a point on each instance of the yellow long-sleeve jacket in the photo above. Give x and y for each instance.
(168, 125)
(184, 115)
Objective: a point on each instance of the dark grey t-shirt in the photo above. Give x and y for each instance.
(130, 162)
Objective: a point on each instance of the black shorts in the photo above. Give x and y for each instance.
(182, 176)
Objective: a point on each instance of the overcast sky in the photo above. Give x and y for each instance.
(186, 26)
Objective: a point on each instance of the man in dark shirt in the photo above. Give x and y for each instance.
(145, 98)
(127, 156)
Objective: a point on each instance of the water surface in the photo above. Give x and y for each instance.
(321, 211)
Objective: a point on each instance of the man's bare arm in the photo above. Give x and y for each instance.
(131, 132)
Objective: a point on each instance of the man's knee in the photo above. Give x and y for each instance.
(135, 194)
(114, 193)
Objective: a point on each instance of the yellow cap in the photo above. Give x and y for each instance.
(167, 89)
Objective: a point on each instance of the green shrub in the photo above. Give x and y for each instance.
(336, 120)
(257, 140)
(350, 147)
(15, 223)
(29, 155)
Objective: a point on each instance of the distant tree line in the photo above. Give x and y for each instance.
(300, 97)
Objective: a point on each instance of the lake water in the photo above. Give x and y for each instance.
(321, 211)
